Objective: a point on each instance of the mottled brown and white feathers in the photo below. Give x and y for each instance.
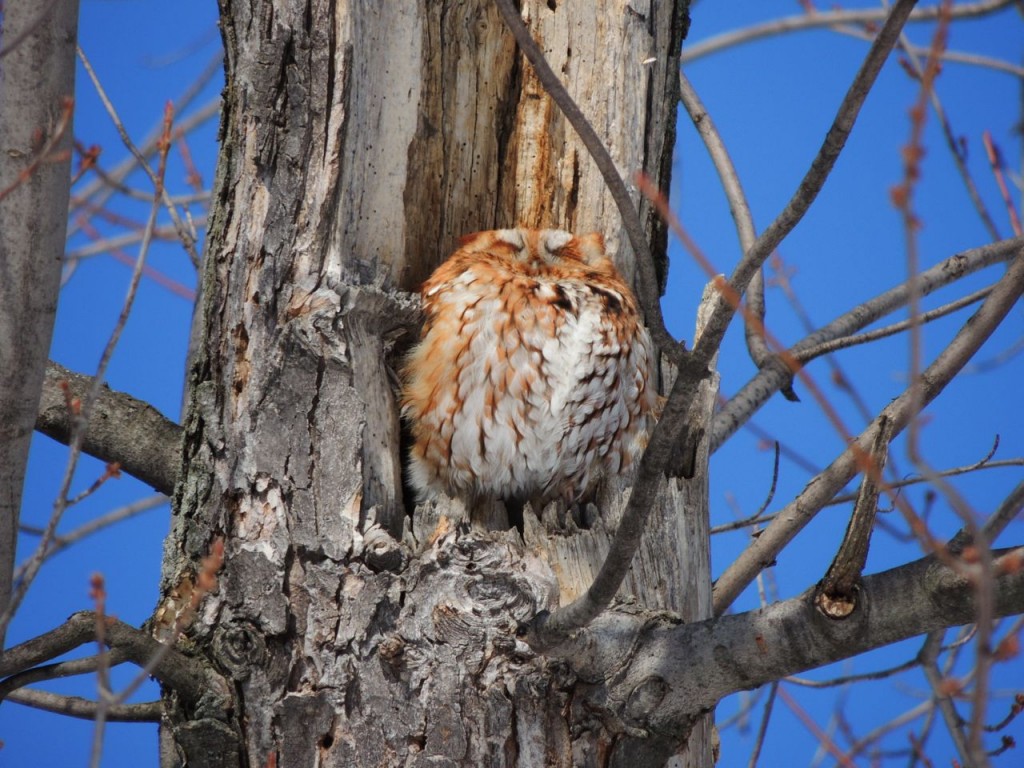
(533, 376)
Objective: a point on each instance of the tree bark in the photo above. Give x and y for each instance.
(37, 87)
(359, 142)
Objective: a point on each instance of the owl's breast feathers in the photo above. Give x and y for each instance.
(533, 375)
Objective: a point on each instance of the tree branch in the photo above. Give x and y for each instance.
(61, 669)
(846, 342)
(828, 19)
(838, 593)
(757, 345)
(73, 706)
(188, 677)
(813, 180)
(702, 662)
(822, 488)
(771, 378)
(122, 428)
(61, 542)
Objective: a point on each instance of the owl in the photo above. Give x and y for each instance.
(534, 374)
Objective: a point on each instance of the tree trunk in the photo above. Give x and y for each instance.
(357, 148)
(37, 88)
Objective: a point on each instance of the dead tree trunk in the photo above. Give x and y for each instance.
(359, 142)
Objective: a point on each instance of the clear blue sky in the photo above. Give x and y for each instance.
(773, 101)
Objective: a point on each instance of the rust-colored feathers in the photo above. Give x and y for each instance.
(534, 373)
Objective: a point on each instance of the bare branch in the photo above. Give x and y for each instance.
(186, 234)
(701, 662)
(821, 489)
(738, 207)
(954, 725)
(63, 541)
(878, 674)
(123, 429)
(845, 342)
(955, 150)
(185, 675)
(771, 378)
(828, 19)
(1007, 511)
(73, 706)
(762, 729)
(54, 671)
(838, 593)
(812, 182)
(98, 191)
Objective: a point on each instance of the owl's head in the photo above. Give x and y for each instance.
(542, 247)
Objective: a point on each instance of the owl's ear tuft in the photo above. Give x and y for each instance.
(513, 237)
(554, 240)
(591, 247)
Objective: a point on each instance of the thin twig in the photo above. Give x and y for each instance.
(738, 207)
(73, 706)
(762, 728)
(63, 541)
(878, 674)
(957, 151)
(826, 19)
(104, 246)
(996, 162)
(983, 576)
(99, 595)
(98, 191)
(954, 723)
(813, 727)
(846, 342)
(769, 379)
(186, 234)
(58, 670)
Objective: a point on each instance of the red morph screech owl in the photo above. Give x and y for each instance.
(533, 376)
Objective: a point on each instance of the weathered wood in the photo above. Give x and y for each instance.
(356, 150)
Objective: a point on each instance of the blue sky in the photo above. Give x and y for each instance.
(772, 100)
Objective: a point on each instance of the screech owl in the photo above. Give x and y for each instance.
(533, 376)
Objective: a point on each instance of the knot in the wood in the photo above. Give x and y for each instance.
(382, 552)
(239, 648)
(645, 698)
(837, 605)
(478, 588)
